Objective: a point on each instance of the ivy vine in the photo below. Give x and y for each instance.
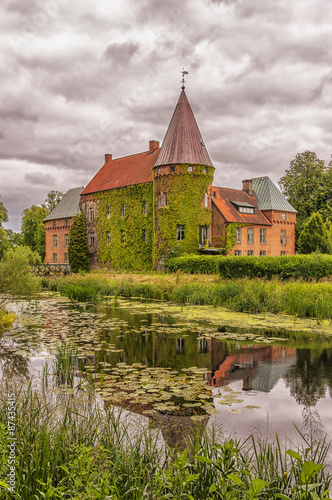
(186, 191)
(135, 228)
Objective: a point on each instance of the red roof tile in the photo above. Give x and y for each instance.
(125, 171)
(223, 200)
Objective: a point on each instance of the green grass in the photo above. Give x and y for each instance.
(296, 298)
(76, 451)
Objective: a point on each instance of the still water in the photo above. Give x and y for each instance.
(180, 372)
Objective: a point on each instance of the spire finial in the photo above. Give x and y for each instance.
(183, 80)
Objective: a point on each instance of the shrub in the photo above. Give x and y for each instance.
(308, 267)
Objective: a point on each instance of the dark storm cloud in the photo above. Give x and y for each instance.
(40, 179)
(80, 80)
(121, 53)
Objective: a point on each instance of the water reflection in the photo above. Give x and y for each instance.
(288, 381)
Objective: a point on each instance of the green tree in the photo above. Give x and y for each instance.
(52, 199)
(307, 184)
(78, 251)
(3, 234)
(314, 236)
(32, 228)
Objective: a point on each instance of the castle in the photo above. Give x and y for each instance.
(143, 208)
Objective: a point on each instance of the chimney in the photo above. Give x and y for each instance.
(108, 158)
(247, 187)
(153, 145)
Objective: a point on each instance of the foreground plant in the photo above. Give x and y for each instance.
(78, 450)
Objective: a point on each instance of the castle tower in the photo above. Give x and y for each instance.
(182, 177)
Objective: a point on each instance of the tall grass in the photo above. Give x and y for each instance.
(299, 298)
(81, 452)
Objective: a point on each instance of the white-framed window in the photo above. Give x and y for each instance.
(123, 236)
(238, 235)
(283, 253)
(108, 211)
(158, 170)
(165, 199)
(91, 214)
(204, 170)
(250, 252)
(145, 208)
(250, 235)
(262, 253)
(66, 222)
(54, 257)
(53, 223)
(283, 216)
(180, 233)
(204, 235)
(189, 169)
(66, 257)
(206, 200)
(283, 237)
(237, 252)
(246, 210)
(66, 239)
(91, 238)
(124, 210)
(262, 235)
(172, 169)
(55, 240)
(108, 237)
(159, 200)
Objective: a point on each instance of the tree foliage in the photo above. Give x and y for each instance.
(307, 184)
(52, 199)
(78, 251)
(314, 236)
(14, 279)
(32, 228)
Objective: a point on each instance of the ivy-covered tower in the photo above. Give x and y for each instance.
(182, 179)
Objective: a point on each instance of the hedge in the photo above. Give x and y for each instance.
(308, 267)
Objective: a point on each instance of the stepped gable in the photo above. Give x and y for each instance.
(268, 195)
(183, 142)
(125, 171)
(227, 199)
(68, 206)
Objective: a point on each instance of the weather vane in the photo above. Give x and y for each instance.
(183, 80)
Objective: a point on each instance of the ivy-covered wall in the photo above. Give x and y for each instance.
(186, 191)
(113, 228)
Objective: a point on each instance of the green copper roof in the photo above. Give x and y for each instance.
(268, 196)
(69, 206)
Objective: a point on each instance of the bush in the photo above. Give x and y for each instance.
(307, 267)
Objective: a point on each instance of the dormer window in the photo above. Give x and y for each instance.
(244, 207)
(246, 210)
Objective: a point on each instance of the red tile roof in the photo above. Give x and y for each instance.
(223, 200)
(125, 171)
(183, 142)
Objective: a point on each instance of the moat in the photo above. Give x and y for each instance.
(178, 372)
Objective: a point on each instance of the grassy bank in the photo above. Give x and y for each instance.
(78, 452)
(299, 299)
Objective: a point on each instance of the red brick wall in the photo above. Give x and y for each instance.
(273, 244)
(58, 227)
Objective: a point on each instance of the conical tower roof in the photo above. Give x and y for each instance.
(183, 142)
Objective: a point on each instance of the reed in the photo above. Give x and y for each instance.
(80, 451)
(297, 298)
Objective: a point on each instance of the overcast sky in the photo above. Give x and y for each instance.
(81, 78)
